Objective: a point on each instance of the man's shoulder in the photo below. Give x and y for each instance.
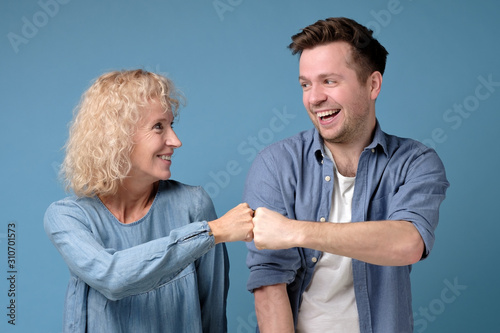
(298, 142)
(398, 144)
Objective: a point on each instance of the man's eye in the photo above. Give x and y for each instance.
(329, 81)
(304, 84)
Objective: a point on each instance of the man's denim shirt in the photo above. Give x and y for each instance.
(397, 179)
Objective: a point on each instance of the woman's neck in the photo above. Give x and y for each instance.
(130, 203)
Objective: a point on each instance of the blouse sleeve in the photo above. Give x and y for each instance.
(212, 270)
(118, 274)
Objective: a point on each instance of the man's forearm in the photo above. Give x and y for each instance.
(387, 243)
(274, 314)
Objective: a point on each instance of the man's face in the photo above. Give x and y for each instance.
(340, 107)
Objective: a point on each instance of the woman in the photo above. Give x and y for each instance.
(145, 253)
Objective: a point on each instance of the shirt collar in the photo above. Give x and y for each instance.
(379, 140)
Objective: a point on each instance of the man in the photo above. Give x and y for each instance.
(314, 276)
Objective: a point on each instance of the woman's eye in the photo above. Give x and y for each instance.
(158, 126)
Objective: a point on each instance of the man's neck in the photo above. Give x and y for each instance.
(346, 155)
(346, 160)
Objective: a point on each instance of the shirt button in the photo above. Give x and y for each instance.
(373, 150)
(328, 178)
(314, 259)
(322, 219)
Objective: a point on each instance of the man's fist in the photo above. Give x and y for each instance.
(272, 230)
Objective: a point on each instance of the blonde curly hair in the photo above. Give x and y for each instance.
(100, 137)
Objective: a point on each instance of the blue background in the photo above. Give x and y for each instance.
(229, 57)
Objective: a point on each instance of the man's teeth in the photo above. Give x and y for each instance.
(327, 113)
(165, 157)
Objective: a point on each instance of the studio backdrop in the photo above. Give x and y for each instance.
(230, 60)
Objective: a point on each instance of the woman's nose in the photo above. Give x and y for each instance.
(172, 139)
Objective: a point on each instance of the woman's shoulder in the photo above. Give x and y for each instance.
(73, 203)
(72, 209)
(185, 198)
(179, 188)
(175, 190)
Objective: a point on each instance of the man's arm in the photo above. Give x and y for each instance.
(387, 243)
(271, 271)
(274, 314)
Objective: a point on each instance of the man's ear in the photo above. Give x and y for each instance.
(375, 84)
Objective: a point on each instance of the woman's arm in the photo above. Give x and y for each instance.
(118, 274)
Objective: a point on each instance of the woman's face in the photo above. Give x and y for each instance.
(154, 144)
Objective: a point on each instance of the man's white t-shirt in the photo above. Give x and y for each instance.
(328, 303)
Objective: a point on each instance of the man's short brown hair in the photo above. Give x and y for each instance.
(368, 55)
